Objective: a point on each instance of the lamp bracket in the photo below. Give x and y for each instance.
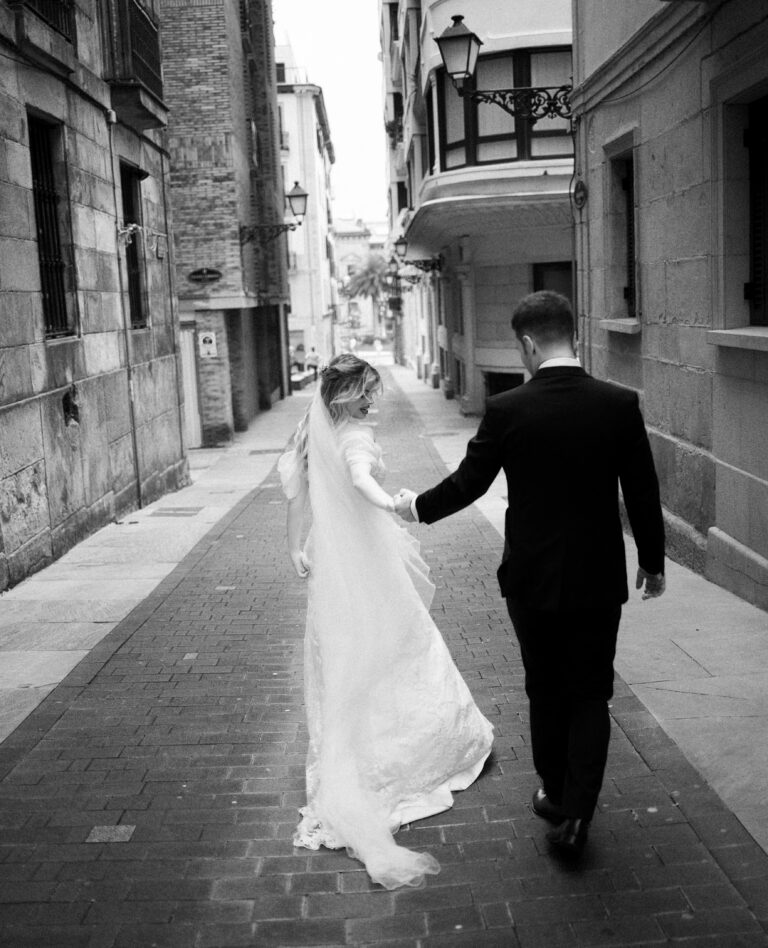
(534, 102)
(428, 265)
(263, 233)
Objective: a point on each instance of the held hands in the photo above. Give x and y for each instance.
(300, 563)
(655, 584)
(403, 499)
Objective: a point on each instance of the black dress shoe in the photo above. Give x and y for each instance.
(570, 837)
(545, 808)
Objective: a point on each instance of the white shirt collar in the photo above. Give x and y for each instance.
(560, 361)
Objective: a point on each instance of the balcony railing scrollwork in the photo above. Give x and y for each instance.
(529, 103)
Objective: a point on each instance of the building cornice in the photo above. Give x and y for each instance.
(661, 37)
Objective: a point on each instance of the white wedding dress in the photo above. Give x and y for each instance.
(393, 728)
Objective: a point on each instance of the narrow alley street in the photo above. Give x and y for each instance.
(150, 798)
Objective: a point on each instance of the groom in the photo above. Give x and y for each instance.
(565, 441)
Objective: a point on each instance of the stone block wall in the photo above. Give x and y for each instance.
(73, 456)
(705, 406)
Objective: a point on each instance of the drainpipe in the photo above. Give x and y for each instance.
(172, 296)
(111, 120)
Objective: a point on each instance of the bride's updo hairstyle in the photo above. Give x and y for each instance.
(344, 379)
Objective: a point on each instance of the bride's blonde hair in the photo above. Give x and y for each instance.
(344, 379)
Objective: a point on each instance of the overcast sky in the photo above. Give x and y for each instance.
(337, 44)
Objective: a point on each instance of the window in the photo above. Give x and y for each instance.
(473, 133)
(393, 31)
(402, 196)
(756, 140)
(139, 39)
(629, 291)
(49, 199)
(621, 289)
(60, 14)
(280, 69)
(130, 182)
(553, 276)
(431, 128)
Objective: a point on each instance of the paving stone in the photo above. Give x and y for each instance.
(186, 724)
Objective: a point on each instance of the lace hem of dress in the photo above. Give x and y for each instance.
(391, 866)
(310, 833)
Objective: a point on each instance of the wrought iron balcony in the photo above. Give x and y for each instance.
(139, 55)
(136, 80)
(60, 14)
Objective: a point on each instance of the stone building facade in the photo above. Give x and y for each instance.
(482, 197)
(671, 103)
(307, 156)
(227, 186)
(90, 398)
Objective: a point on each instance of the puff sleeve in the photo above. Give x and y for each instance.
(293, 473)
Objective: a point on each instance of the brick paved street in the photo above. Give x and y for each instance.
(151, 798)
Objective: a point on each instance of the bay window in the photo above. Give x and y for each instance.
(478, 133)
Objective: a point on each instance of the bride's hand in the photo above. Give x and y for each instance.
(300, 563)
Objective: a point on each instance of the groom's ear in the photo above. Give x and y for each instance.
(529, 345)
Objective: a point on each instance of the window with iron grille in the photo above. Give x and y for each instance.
(130, 182)
(756, 291)
(50, 214)
(60, 14)
(481, 133)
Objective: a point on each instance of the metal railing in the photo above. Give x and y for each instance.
(46, 197)
(141, 47)
(60, 14)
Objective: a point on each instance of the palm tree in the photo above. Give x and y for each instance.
(373, 280)
(370, 281)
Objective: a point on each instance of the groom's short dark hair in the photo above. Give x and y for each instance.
(544, 315)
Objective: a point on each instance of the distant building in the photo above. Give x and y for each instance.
(482, 197)
(227, 191)
(671, 101)
(355, 241)
(307, 156)
(90, 399)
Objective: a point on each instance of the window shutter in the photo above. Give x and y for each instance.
(628, 184)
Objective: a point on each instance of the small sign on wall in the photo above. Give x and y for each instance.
(206, 342)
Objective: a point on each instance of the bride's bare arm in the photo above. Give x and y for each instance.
(366, 484)
(296, 507)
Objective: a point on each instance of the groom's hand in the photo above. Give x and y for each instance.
(655, 584)
(403, 499)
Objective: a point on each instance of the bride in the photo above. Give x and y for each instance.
(393, 729)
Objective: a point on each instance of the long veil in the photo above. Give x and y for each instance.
(368, 600)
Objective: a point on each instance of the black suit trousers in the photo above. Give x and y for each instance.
(568, 660)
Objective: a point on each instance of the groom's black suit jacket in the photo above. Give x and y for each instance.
(565, 441)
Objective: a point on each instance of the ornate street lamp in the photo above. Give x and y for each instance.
(263, 233)
(459, 48)
(428, 264)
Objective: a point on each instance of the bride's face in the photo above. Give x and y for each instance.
(358, 408)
